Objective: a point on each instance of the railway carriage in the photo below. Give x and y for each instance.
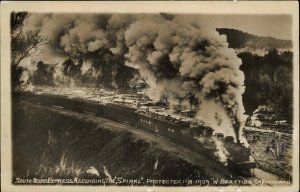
(180, 132)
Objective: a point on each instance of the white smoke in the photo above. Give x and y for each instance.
(29, 68)
(59, 77)
(221, 152)
(87, 68)
(93, 171)
(156, 164)
(214, 115)
(107, 174)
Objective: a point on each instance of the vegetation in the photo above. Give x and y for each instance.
(23, 44)
(268, 81)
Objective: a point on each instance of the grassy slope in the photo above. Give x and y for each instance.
(79, 141)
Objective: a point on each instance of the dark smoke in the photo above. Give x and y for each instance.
(182, 60)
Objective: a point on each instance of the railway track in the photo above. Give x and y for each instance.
(256, 180)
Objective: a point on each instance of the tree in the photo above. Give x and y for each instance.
(268, 81)
(23, 44)
(17, 20)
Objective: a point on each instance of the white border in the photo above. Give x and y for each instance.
(196, 7)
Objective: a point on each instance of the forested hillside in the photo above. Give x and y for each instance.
(268, 81)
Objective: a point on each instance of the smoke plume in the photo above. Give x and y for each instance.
(180, 59)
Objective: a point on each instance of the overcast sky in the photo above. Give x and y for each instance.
(278, 26)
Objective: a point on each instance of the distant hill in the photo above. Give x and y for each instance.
(239, 39)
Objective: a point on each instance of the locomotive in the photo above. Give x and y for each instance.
(181, 132)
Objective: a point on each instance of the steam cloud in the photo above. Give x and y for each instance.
(180, 59)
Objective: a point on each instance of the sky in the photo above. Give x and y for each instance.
(277, 26)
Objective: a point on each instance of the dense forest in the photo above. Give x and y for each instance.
(268, 81)
(268, 77)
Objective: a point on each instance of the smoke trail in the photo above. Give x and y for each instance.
(89, 44)
(179, 58)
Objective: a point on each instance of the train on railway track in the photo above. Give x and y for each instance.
(184, 133)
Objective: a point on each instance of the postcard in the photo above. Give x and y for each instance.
(149, 96)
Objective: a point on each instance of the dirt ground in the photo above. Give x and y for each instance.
(272, 150)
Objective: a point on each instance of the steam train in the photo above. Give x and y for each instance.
(181, 132)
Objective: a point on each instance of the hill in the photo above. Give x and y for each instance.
(239, 39)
